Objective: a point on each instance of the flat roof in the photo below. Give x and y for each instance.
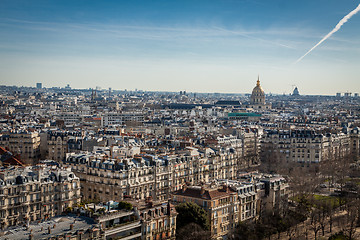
(40, 230)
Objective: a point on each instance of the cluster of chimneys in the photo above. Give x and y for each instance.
(202, 190)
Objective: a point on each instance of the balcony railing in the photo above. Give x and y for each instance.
(122, 228)
(115, 215)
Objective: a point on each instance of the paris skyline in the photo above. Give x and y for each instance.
(197, 46)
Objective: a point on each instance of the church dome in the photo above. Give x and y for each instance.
(258, 95)
(296, 92)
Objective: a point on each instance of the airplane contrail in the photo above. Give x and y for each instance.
(336, 28)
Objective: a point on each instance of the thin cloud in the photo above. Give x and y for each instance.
(255, 38)
(140, 31)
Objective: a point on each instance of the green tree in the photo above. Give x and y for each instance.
(191, 213)
(125, 205)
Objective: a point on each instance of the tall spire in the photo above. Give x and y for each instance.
(258, 81)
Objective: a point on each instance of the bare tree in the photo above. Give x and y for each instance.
(315, 221)
(351, 217)
(193, 231)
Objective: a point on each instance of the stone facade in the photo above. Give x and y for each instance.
(36, 193)
(153, 176)
(60, 142)
(221, 204)
(24, 143)
(143, 222)
(305, 146)
(229, 202)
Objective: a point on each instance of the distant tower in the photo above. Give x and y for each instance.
(296, 92)
(257, 95)
(39, 85)
(93, 94)
(347, 94)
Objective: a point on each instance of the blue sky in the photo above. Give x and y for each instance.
(199, 46)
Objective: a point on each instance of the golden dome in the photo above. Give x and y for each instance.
(258, 94)
(258, 89)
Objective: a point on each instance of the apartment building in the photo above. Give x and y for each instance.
(36, 193)
(144, 221)
(25, 143)
(120, 118)
(355, 143)
(158, 221)
(250, 146)
(221, 204)
(70, 118)
(120, 224)
(230, 201)
(248, 198)
(305, 146)
(150, 175)
(61, 142)
(276, 191)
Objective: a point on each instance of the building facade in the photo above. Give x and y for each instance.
(143, 222)
(305, 146)
(24, 143)
(229, 202)
(151, 175)
(60, 142)
(36, 193)
(221, 204)
(120, 118)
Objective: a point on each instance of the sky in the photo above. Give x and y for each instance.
(193, 45)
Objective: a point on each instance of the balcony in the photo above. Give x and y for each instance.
(160, 230)
(115, 215)
(134, 236)
(122, 228)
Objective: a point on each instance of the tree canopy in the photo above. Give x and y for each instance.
(191, 213)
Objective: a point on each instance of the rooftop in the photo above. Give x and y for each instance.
(59, 225)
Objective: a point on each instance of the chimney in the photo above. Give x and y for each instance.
(202, 191)
(184, 188)
(225, 188)
(168, 207)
